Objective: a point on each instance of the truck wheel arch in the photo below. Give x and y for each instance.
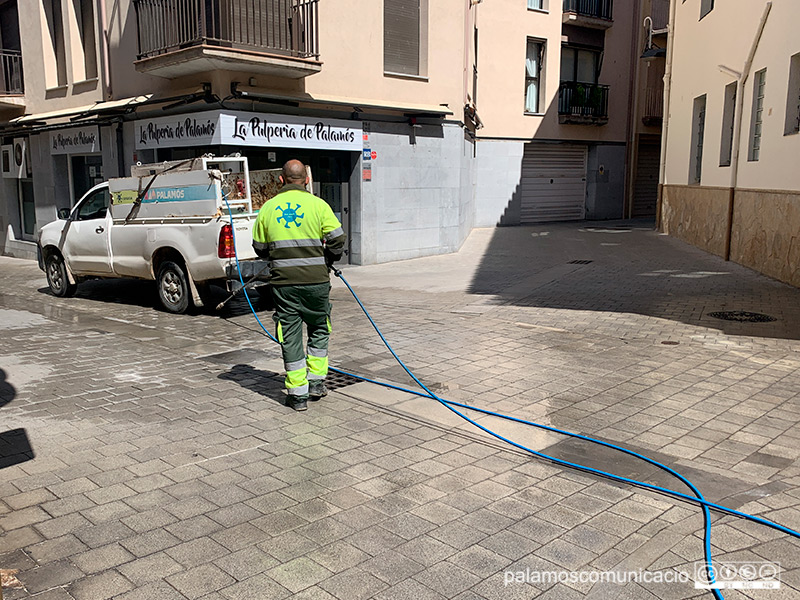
(168, 253)
(48, 251)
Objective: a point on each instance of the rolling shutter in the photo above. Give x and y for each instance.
(645, 187)
(401, 25)
(553, 183)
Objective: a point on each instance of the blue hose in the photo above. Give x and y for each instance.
(698, 497)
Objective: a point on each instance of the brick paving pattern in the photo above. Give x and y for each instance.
(166, 465)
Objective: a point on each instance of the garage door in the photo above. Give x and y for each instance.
(645, 188)
(553, 183)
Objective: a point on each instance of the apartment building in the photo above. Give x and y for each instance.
(554, 149)
(419, 119)
(731, 183)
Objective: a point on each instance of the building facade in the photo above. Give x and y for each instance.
(419, 119)
(556, 148)
(731, 185)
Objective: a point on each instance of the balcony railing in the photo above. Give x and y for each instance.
(583, 103)
(653, 110)
(11, 80)
(598, 9)
(285, 27)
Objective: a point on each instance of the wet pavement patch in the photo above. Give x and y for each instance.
(243, 355)
(714, 486)
(769, 460)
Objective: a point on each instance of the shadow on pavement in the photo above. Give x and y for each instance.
(7, 391)
(265, 383)
(143, 293)
(136, 292)
(15, 448)
(627, 267)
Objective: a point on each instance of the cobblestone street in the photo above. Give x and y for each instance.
(166, 465)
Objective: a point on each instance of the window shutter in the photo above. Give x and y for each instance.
(401, 23)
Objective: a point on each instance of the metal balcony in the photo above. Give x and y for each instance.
(274, 37)
(582, 103)
(653, 109)
(595, 14)
(11, 81)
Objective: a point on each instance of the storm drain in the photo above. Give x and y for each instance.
(334, 381)
(741, 316)
(579, 262)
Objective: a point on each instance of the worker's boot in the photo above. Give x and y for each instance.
(298, 402)
(316, 389)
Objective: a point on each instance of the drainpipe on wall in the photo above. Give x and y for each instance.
(665, 126)
(737, 130)
(104, 52)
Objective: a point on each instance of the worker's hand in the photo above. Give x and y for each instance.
(330, 258)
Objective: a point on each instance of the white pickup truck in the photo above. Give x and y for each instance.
(167, 223)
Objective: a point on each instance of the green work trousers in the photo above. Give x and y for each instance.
(295, 305)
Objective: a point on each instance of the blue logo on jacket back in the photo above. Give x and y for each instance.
(289, 215)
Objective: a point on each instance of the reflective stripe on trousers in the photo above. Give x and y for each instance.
(317, 363)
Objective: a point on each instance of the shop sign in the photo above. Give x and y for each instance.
(79, 140)
(233, 128)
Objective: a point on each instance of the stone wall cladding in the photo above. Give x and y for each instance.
(766, 233)
(420, 201)
(697, 215)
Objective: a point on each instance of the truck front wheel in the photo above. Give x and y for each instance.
(173, 287)
(57, 278)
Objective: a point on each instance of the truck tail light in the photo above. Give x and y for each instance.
(226, 247)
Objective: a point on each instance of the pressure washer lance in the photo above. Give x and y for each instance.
(236, 291)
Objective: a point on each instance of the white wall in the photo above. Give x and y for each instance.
(724, 37)
(499, 168)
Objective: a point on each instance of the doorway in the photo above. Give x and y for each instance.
(87, 172)
(27, 209)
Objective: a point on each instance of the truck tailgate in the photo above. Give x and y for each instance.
(243, 232)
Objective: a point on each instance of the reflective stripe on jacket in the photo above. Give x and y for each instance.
(290, 229)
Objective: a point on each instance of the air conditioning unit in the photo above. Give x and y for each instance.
(7, 161)
(20, 164)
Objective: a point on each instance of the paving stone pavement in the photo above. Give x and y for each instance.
(166, 466)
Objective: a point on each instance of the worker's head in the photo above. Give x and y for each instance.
(294, 172)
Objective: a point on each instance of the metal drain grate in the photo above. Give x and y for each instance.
(579, 262)
(334, 381)
(741, 316)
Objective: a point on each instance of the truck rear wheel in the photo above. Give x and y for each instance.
(57, 278)
(173, 287)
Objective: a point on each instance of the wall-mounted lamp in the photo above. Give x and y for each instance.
(651, 51)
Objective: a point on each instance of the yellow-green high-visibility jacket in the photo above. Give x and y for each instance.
(290, 230)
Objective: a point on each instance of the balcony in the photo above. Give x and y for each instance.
(12, 84)
(272, 37)
(594, 14)
(582, 103)
(653, 109)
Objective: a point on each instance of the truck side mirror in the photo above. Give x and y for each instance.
(63, 213)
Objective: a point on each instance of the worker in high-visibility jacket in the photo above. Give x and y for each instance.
(302, 238)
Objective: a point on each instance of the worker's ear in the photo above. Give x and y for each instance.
(306, 181)
(280, 177)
